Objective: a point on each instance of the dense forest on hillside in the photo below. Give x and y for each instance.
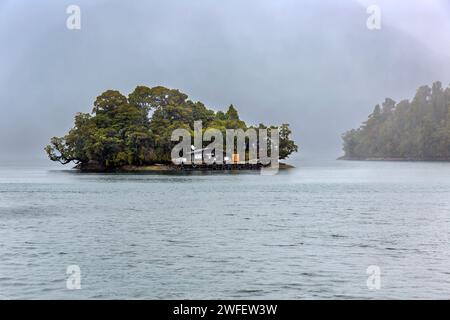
(136, 130)
(411, 130)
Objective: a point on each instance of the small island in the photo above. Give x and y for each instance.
(416, 130)
(133, 134)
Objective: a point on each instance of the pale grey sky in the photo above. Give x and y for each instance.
(311, 63)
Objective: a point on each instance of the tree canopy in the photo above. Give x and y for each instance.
(415, 130)
(136, 130)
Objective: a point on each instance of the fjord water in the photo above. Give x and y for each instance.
(308, 233)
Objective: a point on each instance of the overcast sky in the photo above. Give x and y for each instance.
(313, 64)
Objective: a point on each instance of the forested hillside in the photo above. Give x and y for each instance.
(412, 130)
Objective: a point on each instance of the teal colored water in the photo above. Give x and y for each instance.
(309, 233)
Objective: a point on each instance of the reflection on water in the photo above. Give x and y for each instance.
(307, 233)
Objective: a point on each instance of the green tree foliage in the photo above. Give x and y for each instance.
(287, 146)
(136, 130)
(416, 130)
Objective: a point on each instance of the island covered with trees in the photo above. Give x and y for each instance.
(416, 130)
(135, 132)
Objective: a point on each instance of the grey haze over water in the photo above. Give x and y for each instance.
(313, 64)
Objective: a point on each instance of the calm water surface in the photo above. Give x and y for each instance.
(309, 233)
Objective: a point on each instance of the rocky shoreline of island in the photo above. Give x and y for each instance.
(169, 167)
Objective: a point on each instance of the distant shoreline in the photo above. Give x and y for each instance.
(392, 159)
